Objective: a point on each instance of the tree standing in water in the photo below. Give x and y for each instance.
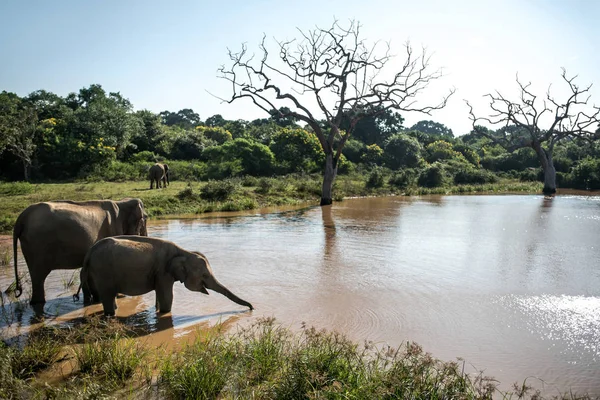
(329, 76)
(522, 122)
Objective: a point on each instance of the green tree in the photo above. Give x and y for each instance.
(18, 128)
(296, 150)
(402, 151)
(256, 158)
(433, 128)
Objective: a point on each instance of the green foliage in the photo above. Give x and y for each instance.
(16, 188)
(433, 128)
(297, 150)
(441, 150)
(433, 176)
(354, 150)
(517, 160)
(376, 178)
(255, 158)
(586, 174)
(469, 154)
(215, 133)
(402, 151)
(143, 156)
(373, 154)
(219, 190)
(404, 178)
(474, 176)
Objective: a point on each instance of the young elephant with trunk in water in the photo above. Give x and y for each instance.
(134, 266)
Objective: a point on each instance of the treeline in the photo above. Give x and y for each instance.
(95, 135)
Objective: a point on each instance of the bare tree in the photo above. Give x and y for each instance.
(522, 122)
(328, 75)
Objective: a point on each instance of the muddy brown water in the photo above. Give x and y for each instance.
(509, 283)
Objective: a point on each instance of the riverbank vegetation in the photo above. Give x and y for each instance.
(105, 359)
(231, 194)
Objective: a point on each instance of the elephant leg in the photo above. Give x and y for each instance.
(164, 299)
(151, 184)
(109, 304)
(37, 286)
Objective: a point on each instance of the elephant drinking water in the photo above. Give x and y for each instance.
(134, 265)
(58, 234)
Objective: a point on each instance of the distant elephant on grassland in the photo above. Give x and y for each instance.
(134, 266)
(159, 172)
(58, 234)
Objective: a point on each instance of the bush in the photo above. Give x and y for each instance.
(402, 151)
(373, 155)
(353, 150)
(297, 150)
(376, 178)
(530, 175)
(144, 156)
(442, 150)
(586, 174)
(219, 190)
(433, 176)
(254, 158)
(404, 179)
(474, 176)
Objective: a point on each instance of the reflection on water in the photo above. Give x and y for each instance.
(510, 283)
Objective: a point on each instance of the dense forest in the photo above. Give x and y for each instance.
(94, 135)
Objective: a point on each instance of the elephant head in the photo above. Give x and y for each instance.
(135, 219)
(193, 270)
(167, 173)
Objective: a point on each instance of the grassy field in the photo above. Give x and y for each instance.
(227, 195)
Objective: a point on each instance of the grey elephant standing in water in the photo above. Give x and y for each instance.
(159, 172)
(58, 234)
(134, 266)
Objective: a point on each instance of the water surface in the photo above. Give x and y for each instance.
(509, 283)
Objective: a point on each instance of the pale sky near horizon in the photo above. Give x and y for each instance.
(165, 55)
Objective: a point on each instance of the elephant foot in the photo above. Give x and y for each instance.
(164, 310)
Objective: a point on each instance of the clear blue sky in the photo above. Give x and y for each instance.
(164, 55)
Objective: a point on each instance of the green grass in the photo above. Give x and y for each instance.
(262, 361)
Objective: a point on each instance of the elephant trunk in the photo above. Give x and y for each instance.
(217, 287)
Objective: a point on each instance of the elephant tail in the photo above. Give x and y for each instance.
(83, 277)
(16, 235)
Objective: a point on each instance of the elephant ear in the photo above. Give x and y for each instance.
(177, 268)
(166, 167)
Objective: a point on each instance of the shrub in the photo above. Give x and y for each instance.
(144, 156)
(404, 178)
(586, 174)
(402, 151)
(442, 150)
(376, 178)
(373, 155)
(353, 150)
(530, 175)
(254, 158)
(474, 176)
(297, 150)
(433, 176)
(218, 190)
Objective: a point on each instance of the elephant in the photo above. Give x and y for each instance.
(157, 173)
(58, 234)
(135, 265)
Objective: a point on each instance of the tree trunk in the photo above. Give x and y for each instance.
(328, 178)
(25, 171)
(545, 157)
